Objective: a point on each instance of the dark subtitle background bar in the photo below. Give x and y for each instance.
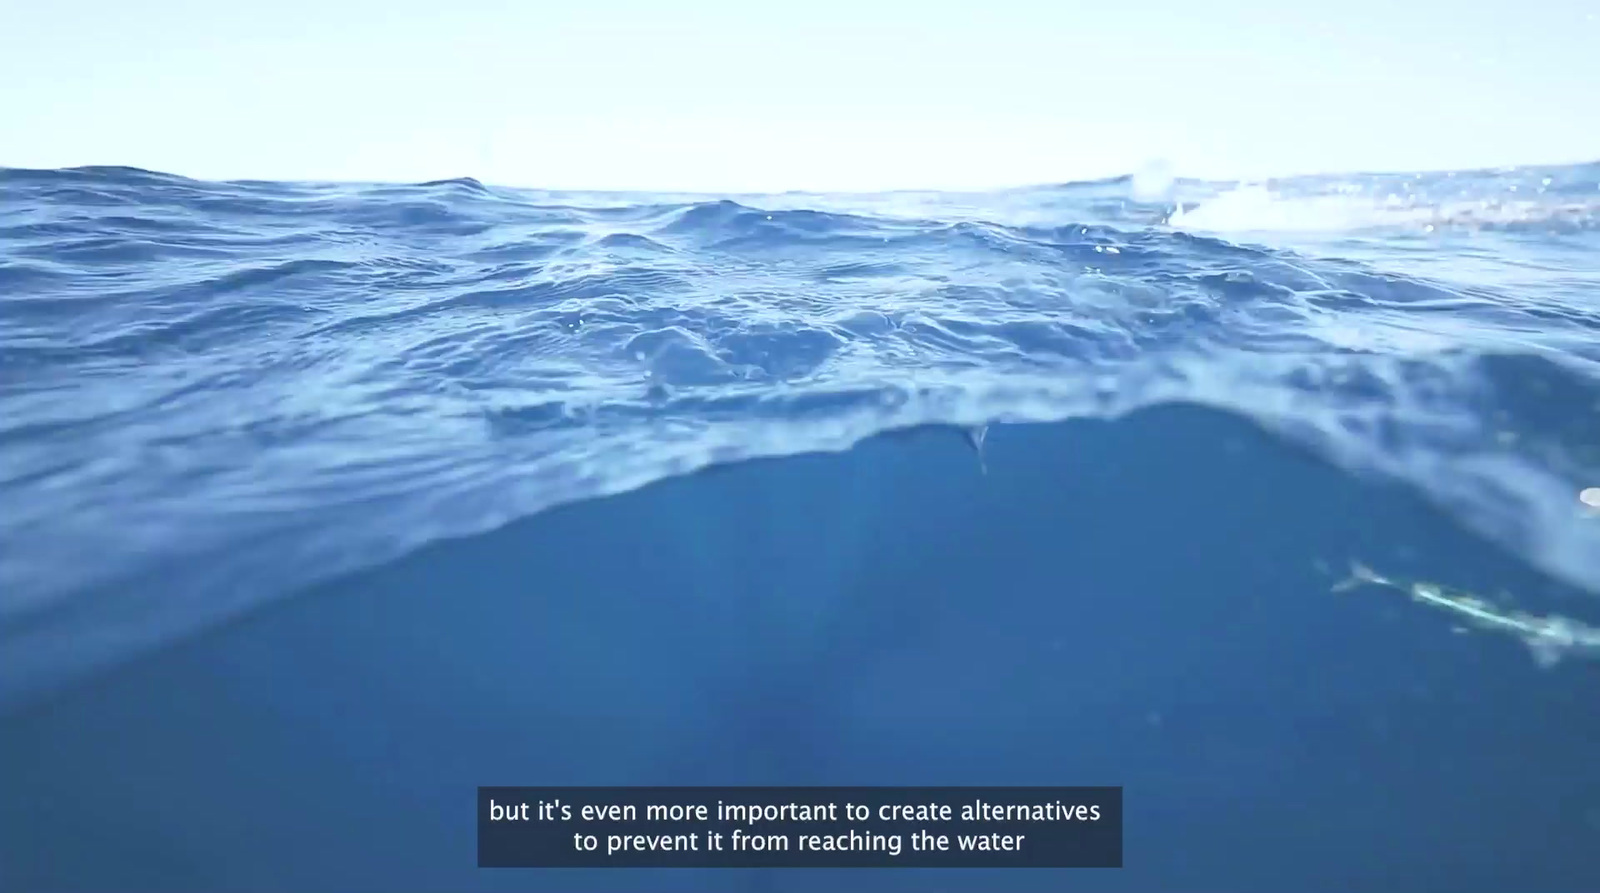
(761, 827)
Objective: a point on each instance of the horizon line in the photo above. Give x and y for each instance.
(1088, 181)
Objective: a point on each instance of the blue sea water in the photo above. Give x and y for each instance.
(326, 503)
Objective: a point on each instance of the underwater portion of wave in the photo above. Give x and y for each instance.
(215, 393)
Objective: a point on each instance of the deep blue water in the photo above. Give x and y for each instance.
(324, 504)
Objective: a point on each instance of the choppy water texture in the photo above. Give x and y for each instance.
(216, 393)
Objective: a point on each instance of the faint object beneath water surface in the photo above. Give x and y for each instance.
(1590, 497)
(1550, 638)
(976, 437)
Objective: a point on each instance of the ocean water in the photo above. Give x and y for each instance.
(326, 503)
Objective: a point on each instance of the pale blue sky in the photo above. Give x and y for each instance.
(723, 96)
